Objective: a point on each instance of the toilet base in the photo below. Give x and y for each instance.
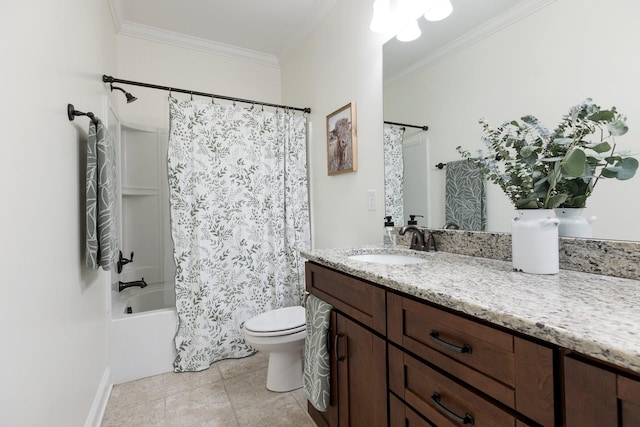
(285, 371)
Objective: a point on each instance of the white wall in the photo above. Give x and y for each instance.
(540, 65)
(53, 310)
(340, 62)
(166, 65)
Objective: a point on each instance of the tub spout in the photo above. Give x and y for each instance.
(124, 285)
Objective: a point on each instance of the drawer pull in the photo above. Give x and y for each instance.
(335, 346)
(467, 419)
(435, 336)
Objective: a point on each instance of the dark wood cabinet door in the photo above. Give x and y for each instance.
(590, 395)
(362, 379)
(629, 397)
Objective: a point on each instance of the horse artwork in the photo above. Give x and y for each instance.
(341, 140)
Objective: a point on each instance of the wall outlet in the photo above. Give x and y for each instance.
(371, 200)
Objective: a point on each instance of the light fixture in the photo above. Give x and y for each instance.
(409, 31)
(399, 16)
(130, 98)
(381, 21)
(412, 8)
(438, 10)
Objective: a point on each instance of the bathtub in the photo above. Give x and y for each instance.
(141, 342)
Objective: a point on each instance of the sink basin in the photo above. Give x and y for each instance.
(387, 258)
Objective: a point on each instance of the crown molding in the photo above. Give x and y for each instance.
(146, 32)
(317, 13)
(492, 26)
(197, 43)
(116, 14)
(305, 27)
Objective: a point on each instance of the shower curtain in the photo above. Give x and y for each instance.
(239, 216)
(393, 174)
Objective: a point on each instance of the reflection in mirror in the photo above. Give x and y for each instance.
(501, 70)
(406, 179)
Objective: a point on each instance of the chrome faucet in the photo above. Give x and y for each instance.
(451, 225)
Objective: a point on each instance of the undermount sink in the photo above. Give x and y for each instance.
(387, 259)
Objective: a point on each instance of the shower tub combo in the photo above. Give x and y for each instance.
(142, 328)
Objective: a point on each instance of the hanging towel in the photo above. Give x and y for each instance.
(317, 383)
(465, 197)
(101, 216)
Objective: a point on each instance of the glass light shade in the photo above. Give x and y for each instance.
(409, 31)
(412, 8)
(438, 10)
(381, 21)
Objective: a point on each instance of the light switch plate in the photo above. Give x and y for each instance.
(371, 200)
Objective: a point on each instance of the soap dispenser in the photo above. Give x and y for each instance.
(413, 220)
(389, 237)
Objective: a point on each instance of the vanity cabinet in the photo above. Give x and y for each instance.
(402, 415)
(599, 395)
(443, 368)
(359, 355)
(454, 369)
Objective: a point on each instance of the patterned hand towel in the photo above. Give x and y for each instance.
(316, 353)
(102, 231)
(465, 199)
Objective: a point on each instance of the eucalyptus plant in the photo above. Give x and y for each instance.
(537, 168)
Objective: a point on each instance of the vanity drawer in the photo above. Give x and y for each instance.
(440, 399)
(356, 298)
(516, 372)
(421, 328)
(401, 415)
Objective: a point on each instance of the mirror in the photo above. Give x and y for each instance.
(530, 57)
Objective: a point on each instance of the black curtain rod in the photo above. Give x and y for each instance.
(424, 128)
(109, 79)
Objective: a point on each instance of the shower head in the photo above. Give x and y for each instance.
(130, 98)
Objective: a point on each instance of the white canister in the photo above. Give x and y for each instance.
(534, 241)
(573, 223)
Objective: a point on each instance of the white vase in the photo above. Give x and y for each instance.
(534, 241)
(573, 223)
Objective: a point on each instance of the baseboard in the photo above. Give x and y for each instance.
(94, 419)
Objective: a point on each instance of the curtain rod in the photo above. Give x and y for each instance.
(110, 79)
(72, 113)
(424, 128)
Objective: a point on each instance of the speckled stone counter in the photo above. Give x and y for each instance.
(609, 257)
(593, 314)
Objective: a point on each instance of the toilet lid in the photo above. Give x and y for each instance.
(287, 319)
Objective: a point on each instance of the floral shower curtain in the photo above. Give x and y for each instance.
(239, 216)
(393, 174)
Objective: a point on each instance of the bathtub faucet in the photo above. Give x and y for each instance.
(124, 285)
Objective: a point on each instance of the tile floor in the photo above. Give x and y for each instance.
(230, 393)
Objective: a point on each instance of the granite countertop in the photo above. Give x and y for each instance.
(595, 315)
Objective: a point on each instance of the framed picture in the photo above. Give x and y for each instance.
(342, 152)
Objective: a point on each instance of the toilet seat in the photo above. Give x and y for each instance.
(279, 322)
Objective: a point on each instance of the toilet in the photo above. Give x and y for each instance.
(281, 334)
